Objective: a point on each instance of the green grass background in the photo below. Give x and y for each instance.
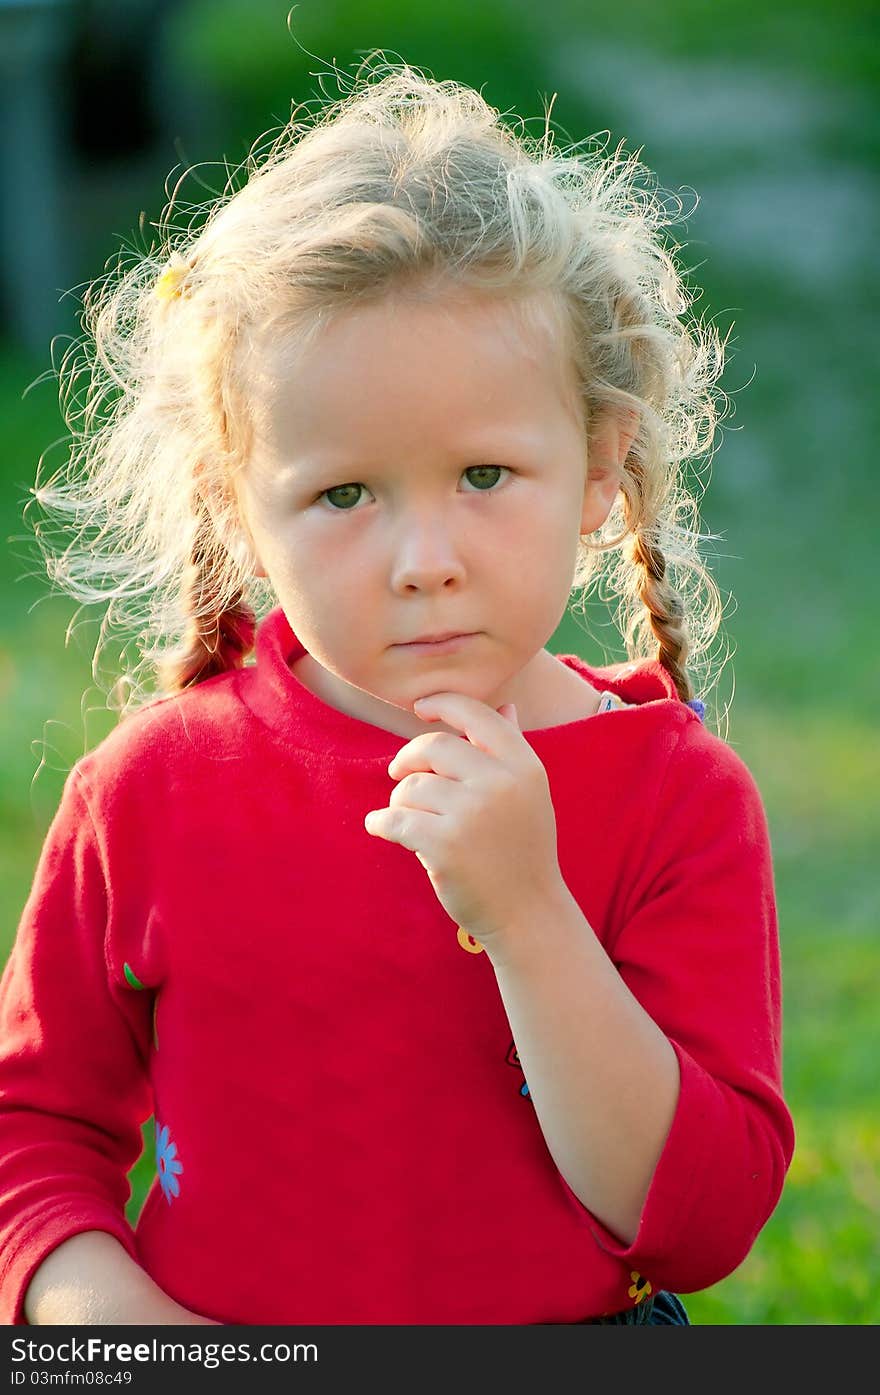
(793, 492)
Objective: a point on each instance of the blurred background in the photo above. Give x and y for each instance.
(770, 114)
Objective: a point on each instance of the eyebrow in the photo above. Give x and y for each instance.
(488, 450)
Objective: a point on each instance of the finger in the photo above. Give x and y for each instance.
(411, 828)
(425, 790)
(481, 724)
(441, 753)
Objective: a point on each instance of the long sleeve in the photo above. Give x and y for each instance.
(74, 1088)
(698, 946)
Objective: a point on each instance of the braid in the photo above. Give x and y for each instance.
(217, 638)
(666, 612)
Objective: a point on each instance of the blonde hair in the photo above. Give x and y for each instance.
(403, 179)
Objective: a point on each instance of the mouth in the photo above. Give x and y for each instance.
(439, 645)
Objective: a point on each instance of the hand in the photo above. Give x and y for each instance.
(477, 813)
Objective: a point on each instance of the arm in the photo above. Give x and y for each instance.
(673, 1173)
(90, 1279)
(602, 1076)
(74, 1063)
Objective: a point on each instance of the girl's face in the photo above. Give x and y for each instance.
(420, 469)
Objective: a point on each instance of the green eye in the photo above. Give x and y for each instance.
(348, 495)
(350, 489)
(484, 470)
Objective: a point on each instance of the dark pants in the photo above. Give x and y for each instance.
(662, 1310)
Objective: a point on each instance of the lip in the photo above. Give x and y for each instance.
(436, 646)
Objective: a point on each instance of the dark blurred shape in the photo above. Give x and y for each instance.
(33, 36)
(111, 77)
(81, 107)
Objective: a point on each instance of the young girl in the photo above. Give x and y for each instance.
(448, 967)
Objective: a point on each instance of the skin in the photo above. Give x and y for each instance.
(416, 400)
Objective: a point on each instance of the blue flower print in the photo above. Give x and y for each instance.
(167, 1164)
(513, 1060)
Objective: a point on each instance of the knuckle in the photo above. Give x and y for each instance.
(402, 791)
(414, 782)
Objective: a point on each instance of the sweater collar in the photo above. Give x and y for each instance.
(300, 719)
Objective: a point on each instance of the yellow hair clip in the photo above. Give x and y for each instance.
(170, 284)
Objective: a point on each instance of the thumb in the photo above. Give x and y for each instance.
(508, 710)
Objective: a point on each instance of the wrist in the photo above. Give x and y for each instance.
(535, 928)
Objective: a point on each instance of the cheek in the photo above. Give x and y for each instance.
(324, 591)
(544, 530)
(544, 554)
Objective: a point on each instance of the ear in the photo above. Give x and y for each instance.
(610, 441)
(246, 543)
(220, 501)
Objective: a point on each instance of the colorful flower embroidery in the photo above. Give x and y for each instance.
(131, 976)
(640, 1288)
(167, 1164)
(468, 942)
(513, 1060)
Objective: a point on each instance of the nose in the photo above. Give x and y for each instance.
(426, 557)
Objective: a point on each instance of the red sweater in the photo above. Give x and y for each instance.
(343, 1131)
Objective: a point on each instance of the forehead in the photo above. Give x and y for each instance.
(410, 365)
